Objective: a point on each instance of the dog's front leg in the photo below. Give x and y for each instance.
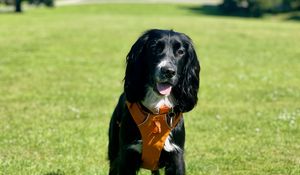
(175, 165)
(130, 159)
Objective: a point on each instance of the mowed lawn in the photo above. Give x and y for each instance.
(61, 73)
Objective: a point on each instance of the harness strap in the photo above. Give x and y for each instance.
(155, 130)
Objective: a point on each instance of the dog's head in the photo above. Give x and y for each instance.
(167, 62)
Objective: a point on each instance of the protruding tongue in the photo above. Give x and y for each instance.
(164, 88)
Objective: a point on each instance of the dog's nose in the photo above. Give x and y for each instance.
(168, 72)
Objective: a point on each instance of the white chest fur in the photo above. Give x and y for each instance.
(153, 101)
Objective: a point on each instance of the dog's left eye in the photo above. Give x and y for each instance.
(180, 52)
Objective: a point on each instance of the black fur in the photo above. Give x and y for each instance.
(142, 60)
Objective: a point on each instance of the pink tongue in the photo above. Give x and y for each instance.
(164, 89)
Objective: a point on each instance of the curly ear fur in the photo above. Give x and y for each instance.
(134, 85)
(187, 89)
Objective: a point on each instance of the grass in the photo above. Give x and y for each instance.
(61, 73)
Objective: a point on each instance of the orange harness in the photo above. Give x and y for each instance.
(154, 129)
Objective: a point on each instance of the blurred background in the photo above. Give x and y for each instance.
(253, 8)
(62, 66)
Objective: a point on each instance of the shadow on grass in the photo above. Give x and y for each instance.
(215, 10)
(57, 172)
(294, 17)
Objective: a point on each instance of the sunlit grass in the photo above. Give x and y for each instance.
(61, 73)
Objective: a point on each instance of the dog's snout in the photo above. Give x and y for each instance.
(168, 72)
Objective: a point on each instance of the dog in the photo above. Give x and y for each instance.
(162, 70)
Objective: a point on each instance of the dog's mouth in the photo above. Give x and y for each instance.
(164, 88)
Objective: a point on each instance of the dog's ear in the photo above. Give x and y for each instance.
(187, 89)
(134, 86)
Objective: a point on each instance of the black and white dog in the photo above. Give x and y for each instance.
(162, 69)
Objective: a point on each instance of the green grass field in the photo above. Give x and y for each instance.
(61, 73)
